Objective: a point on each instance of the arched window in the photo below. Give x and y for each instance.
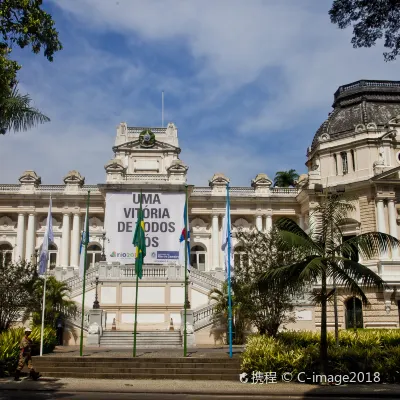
(94, 254)
(345, 166)
(240, 257)
(198, 257)
(354, 313)
(5, 253)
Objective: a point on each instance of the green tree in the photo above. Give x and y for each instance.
(266, 307)
(286, 178)
(16, 279)
(371, 21)
(22, 23)
(58, 304)
(327, 258)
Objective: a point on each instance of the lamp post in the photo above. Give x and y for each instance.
(96, 304)
(104, 238)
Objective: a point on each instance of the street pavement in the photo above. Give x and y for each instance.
(71, 388)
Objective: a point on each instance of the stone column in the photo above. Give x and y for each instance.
(380, 216)
(30, 239)
(393, 225)
(268, 223)
(380, 212)
(76, 239)
(301, 221)
(21, 236)
(259, 222)
(215, 242)
(65, 241)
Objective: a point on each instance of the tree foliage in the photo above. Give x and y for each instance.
(57, 306)
(16, 281)
(326, 258)
(286, 178)
(267, 307)
(22, 23)
(371, 21)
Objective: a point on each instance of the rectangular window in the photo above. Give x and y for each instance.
(335, 162)
(353, 160)
(353, 256)
(345, 167)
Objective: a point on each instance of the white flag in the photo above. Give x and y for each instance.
(226, 238)
(82, 249)
(48, 236)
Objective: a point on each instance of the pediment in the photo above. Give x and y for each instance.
(177, 166)
(392, 175)
(241, 223)
(115, 165)
(56, 224)
(74, 177)
(30, 177)
(137, 145)
(199, 225)
(95, 224)
(7, 223)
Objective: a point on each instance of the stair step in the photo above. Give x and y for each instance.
(145, 375)
(112, 365)
(126, 370)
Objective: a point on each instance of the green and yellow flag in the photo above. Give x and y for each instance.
(140, 242)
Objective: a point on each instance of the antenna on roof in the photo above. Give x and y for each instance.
(162, 109)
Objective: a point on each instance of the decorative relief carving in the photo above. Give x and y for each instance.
(95, 223)
(7, 223)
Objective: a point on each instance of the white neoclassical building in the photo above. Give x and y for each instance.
(357, 149)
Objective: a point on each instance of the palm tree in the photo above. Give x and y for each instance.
(327, 259)
(57, 306)
(17, 114)
(220, 316)
(286, 178)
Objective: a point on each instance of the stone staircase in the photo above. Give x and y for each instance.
(144, 339)
(218, 369)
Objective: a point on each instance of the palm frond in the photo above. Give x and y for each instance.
(354, 277)
(292, 276)
(18, 115)
(369, 245)
(294, 236)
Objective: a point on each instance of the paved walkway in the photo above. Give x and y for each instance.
(195, 352)
(199, 387)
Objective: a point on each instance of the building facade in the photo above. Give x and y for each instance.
(357, 149)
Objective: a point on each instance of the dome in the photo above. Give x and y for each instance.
(360, 103)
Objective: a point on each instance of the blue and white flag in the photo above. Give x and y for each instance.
(48, 237)
(185, 232)
(84, 241)
(226, 241)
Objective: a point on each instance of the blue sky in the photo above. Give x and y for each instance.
(246, 82)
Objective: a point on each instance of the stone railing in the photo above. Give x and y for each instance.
(114, 271)
(204, 279)
(138, 130)
(48, 188)
(75, 318)
(284, 191)
(147, 177)
(247, 192)
(203, 316)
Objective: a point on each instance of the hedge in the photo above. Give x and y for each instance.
(361, 351)
(9, 346)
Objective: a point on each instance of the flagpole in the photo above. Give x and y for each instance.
(84, 271)
(43, 306)
(229, 271)
(137, 287)
(44, 288)
(186, 261)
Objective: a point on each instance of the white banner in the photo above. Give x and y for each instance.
(163, 218)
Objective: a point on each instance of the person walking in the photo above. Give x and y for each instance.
(25, 357)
